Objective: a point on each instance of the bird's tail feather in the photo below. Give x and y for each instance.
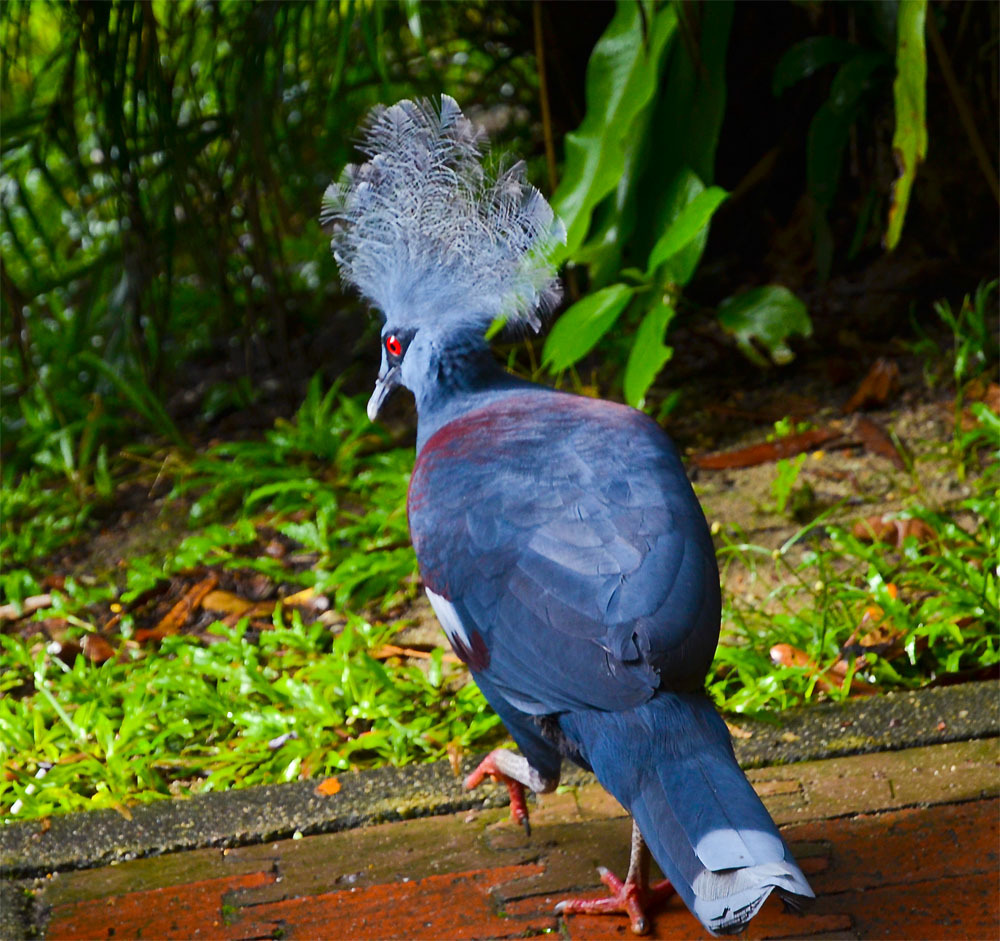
(703, 822)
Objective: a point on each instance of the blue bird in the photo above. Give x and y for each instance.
(559, 540)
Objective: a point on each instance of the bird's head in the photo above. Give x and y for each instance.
(396, 370)
(440, 244)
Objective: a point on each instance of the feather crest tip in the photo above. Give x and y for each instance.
(427, 234)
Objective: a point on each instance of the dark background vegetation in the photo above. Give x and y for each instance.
(163, 166)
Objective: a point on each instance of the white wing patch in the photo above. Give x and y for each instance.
(449, 619)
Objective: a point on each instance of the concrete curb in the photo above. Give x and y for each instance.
(84, 840)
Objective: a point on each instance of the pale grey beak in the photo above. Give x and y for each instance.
(384, 387)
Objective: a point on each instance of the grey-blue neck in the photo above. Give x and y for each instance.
(459, 375)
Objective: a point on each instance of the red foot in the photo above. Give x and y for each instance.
(627, 898)
(518, 805)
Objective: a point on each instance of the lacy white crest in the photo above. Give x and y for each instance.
(427, 234)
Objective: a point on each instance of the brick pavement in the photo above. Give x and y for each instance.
(896, 844)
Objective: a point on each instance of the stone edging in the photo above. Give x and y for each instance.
(95, 838)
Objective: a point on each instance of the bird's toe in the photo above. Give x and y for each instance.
(626, 898)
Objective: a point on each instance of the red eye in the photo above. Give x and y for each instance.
(392, 346)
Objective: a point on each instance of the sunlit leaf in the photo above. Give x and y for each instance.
(909, 142)
(649, 354)
(692, 219)
(622, 77)
(577, 331)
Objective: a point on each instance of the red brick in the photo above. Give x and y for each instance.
(185, 911)
(775, 921)
(155, 872)
(963, 907)
(900, 846)
(455, 906)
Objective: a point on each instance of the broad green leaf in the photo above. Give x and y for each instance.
(678, 130)
(688, 224)
(691, 107)
(853, 79)
(684, 134)
(809, 56)
(831, 125)
(622, 77)
(767, 315)
(825, 143)
(685, 189)
(649, 354)
(909, 142)
(577, 331)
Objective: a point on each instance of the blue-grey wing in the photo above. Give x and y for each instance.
(570, 549)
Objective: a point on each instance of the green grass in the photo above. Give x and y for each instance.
(937, 592)
(941, 613)
(300, 699)
(296, 703)
(296, 700)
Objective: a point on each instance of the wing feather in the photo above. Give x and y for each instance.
(582, 547)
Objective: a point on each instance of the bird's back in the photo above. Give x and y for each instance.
(563, 530)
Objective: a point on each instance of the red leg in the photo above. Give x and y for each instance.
(488, 768)
(633, 897)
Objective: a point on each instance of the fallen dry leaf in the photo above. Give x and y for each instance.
(257, 610)
(876, 441)
(787, 655)
(978, 391)
(873, 635)
(12, 612)
(225, 602)
(113, 621)
(178, 615)
(892, 531)
(73, 758)
(788, 446)
(96, 649)
(328, 787)
(992, 397)
(303, 597)
(390, 650)
(308, 601)
(876, 388)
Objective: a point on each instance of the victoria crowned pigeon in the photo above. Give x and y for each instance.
(559, 540)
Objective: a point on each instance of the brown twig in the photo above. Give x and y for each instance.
(12, 612)
(543, 94)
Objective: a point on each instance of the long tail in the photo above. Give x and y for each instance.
(670, 762)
